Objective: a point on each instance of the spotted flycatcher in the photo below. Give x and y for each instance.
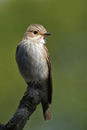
(34, 63)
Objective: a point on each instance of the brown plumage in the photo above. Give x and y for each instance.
(34, 63)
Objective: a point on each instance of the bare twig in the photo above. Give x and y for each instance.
(27, 106)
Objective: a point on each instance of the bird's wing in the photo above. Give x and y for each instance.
(18, 46)
(49, 76)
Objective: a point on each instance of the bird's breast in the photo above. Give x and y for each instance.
(31, 60)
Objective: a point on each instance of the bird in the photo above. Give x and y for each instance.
(34, 64)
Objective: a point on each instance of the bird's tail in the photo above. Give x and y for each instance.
(46, 110)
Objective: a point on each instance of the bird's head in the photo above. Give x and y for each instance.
(36, 32)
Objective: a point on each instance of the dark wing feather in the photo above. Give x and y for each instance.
(50, 88)
(18, 46)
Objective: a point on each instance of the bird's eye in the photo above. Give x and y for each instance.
(35, 32)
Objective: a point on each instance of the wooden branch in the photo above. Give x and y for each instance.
(27, 106)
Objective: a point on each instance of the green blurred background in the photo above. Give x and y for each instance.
(67, 21)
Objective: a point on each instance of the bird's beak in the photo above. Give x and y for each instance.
(46, 34)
